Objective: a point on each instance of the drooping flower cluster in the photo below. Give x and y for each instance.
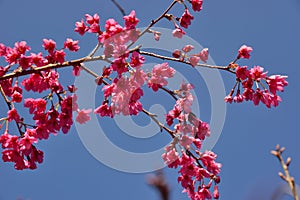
(47, 117)
(21, 151)
(190, 131)
(257, 86)
(122, 84)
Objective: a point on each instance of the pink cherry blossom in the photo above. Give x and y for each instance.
(130, 20)
(244, 52)
(176, 53)
(257, 73)
(204, 55)
(21, 47)
(83, 116)
(2, 49)
(49, 45)
(59, 56)
(197, 5)
(186, 19)
(277, 83)
(76, 70)
(159, 74)
(71, 44)
(187, 48)
(194, 60)
(13, 115)
(92, 19)
(26, 142)
(185, 141)
(104, 110)
(136, 60)
(81, 28)
(171, 157)
(242, 72)
(178, 32)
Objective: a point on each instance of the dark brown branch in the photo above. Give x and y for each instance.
(121, 9)
(158, 181)
(184, 61)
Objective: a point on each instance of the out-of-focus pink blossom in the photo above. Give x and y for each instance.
(83, 116)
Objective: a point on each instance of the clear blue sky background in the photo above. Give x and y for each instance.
(271, 27)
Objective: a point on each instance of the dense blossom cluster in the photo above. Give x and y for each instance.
(266, 87)
(189, 134)
(123, 82)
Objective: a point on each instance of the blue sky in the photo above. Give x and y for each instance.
(249, 171)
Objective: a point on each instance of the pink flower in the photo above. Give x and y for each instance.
(95, 28)
(3, 70)
(38, 59)
(277, 83)
(11, 55)
(194, 60)
(26, 142)
(60, 56)
(2, 49)
(185, 141)
(112, 27)
(76, 70)
(238, 98)
(156, 35)
(176, 53)
(187, 48)
(136, 60)
(186, 19)
(197, 5)
(92, 19)
(71, 44)
(104, 110)
(257, 96)
(49, 45)
(216, 192)
(13, 115)
(131, 21)
(178, 32)
(83, 116)
(228, 99)
(81, 28)
(171, 157)
(244, 52)
(22, 47)
(257, 73)
(25, 61)
(159, 74)
(242, 73)
(16, 97)
(204, 55)
(208, 160)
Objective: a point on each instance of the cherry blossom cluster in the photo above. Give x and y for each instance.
(122, 83)
(257, 86)
(186, 18)
(47, 117)
(188, 136)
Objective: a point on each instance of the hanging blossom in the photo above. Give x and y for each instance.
(257, 86)
(189, 134)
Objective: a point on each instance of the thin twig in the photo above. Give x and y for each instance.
(153, 22)
(121, 9)
(184, 61)
(285, 166)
